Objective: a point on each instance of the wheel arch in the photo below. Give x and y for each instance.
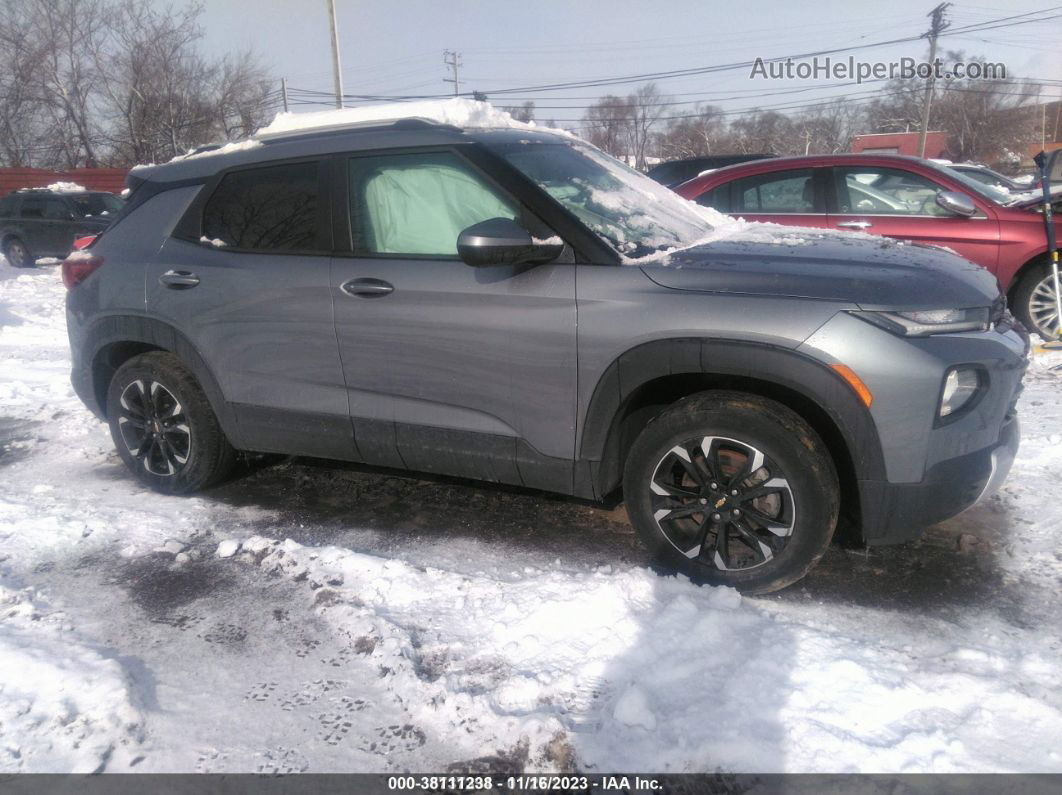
(113, 341)
(642, 382)
(1035, 261)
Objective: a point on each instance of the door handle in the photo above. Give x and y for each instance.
(178, 280)
(367, 288)
(855, 224)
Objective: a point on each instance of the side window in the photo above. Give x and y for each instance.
(33, 207)
(717, 198)
(417, 204)
(273, 208)
(885, 191)
(7, 206)
(56, 210)
(775, 192)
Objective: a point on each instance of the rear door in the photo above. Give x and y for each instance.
(246, 279)
(795, 197)
(451, 369)
(898, 203)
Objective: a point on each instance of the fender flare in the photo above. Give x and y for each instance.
(121, 329)
(732, 364)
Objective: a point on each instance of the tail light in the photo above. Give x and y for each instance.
(78, 266)
(84, 241)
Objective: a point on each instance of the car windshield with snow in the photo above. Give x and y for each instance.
(456, 293)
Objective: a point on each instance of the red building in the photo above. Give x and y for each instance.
(905, 143)
(111, 180)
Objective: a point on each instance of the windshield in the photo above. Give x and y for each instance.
(86, 204)
(631, 212)
(980, 188)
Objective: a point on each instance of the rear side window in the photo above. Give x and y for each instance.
(716, 198)
(275, 208)
(33, 207)
(7, 206)
(775, 192)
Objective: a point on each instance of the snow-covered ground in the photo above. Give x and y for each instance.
(322, 618)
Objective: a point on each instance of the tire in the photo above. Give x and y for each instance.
(1033, 299)
(163, 426)
(783, 517)
(16, 252)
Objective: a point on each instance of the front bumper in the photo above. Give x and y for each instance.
(898, 512)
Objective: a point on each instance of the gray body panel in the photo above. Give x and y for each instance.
(489, 351)
(517, 373)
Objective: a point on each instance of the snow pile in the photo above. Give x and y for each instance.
(457, 111)
(638, 672)
(442, 649)
(65, 187)
(63, 706)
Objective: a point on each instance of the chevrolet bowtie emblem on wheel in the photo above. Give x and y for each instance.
(721, 502)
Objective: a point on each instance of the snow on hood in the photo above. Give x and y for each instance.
(738, 230)
(457, 111)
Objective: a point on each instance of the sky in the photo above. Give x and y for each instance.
(396, 48)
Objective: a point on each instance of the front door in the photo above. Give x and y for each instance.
(901, 204)
(451, 369)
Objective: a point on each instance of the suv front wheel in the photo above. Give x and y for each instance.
(163, 426)
(732, 489)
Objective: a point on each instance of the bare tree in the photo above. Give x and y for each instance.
(525, 112)
(85, 82)
(696, 136)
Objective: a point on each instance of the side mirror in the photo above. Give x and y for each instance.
(502, 241)
(956, 203)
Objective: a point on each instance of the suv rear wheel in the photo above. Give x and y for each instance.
(163, 426)
(17, 254)
(732, 489)
(1034, 302)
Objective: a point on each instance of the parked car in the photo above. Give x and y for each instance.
(993, 179)
(500, 304)
(43, 223)
(675, 172)
(901, 197)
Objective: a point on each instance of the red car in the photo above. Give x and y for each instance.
(901, 197)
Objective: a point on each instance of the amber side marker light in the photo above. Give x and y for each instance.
(854, 381)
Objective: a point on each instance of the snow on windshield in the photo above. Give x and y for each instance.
(631, 212)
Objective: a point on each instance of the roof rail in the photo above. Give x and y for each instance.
(400, 123)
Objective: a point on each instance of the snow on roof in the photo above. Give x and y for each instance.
(456, 111)
(65, 187)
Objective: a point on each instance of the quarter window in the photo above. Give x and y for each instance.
(775, 192)
(418, 204)
(274, 208)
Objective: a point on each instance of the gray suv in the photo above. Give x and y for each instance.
(44, 223)
(517, 307)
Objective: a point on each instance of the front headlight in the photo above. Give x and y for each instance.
(924, 322)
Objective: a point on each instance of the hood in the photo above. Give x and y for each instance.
(873, 272)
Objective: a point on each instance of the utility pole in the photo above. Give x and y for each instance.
(453, 60)
(807, 141)
(336, 72)
(284, 92)
(936, 27)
